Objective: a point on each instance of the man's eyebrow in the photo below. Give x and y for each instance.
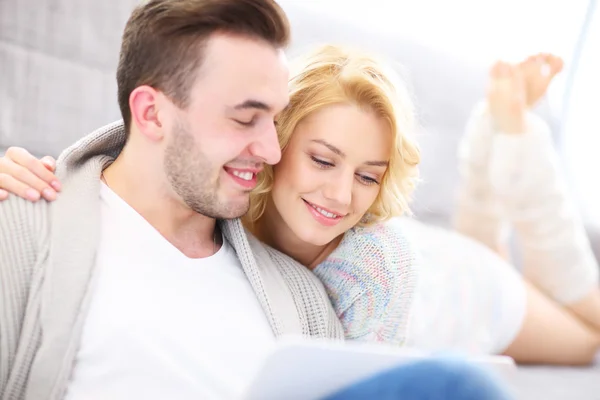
(253, 104)
(341, 153)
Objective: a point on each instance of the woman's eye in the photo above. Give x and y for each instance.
(321, 163)
(367, 180)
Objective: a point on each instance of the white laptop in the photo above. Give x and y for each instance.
(301, 369)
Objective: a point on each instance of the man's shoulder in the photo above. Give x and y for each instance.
(17, 207)
(307, 292)
(22, 220)
(283, 262)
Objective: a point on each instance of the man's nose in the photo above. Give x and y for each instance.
(266, 146)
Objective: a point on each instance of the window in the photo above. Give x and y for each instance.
(582, 123)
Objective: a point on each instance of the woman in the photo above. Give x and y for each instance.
(348, 169)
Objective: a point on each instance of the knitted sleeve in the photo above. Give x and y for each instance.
(23, 230)
(371, 280)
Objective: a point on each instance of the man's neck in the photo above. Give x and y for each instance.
(146, 191)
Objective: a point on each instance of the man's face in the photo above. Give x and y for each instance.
(220, 142)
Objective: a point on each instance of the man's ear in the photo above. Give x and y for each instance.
(144, 105)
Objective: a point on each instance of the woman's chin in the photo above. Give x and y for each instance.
(317, 238)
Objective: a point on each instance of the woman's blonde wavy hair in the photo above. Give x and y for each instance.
(333, 75)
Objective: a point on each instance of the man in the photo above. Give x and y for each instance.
(126, 286)
(126, 277)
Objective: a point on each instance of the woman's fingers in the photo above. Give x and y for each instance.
(43, 168)
(12, 185)
(26, 176)
(49, 163)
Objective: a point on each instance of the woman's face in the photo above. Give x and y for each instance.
(330, 172)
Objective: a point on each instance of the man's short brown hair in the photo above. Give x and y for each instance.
(163, 39)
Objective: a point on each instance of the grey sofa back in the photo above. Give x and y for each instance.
(57, 63)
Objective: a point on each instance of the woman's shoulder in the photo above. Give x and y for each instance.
(370, 279)
(385, 244)
(389, 240)
(376, 259)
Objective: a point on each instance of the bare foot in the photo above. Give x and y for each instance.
(538, 71)
(507, 97)
(515, 88)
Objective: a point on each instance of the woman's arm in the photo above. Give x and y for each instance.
(371, 280)
(27, 177)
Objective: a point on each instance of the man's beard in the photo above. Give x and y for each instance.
(191, 176)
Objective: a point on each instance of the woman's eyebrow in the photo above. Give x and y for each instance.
(342, 154)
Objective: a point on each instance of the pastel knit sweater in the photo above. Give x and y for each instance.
(371, 279)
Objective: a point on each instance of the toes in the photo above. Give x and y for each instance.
(530, 66)
(556, 64)
(551, 66)
(495, 71)
(551, 63)
(546, 71)
(513, 70)
(501, 70)
(531, 60)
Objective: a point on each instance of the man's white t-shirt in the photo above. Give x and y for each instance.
(161, 325)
